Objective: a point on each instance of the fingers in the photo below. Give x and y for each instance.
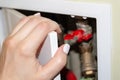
(26, 28)
(37, 35)
(28, 24)
(22, 22)
(19, 25)
(31, 32)
(54, 66)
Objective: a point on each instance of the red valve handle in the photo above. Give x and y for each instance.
(79, 34)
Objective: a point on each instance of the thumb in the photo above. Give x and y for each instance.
(53, 67)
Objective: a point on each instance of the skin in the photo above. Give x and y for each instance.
(18, 55)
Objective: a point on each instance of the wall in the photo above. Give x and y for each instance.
(115, 35)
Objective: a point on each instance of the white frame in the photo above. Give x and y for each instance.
(102, 13)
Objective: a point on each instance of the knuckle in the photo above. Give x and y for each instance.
(43, 77)
(44, 25)
(9, 42)
(61, 61)
(34, 19)
(24, 19)
(22, 49)
(52, 25)
(48, 25)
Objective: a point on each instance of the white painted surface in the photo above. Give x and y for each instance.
(102, 12)
(2, 32)
(12, 17)
(48, 50)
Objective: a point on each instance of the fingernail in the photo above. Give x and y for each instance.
(66, 48)
(37, 14)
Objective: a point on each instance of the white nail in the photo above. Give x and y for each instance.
(37, 14)
(66, 48)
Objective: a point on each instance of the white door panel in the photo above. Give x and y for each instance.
(2, 33)
(12, 17)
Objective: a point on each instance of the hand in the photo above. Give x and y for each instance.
(18, 55)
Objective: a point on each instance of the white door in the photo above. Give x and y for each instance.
(11, 18)
(51, 44)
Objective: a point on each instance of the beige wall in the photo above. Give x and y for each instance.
(115, 35)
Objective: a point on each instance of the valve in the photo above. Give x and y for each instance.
(77, 36)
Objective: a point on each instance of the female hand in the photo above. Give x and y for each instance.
(18, 55)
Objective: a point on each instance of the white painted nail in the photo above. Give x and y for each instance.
(37, 14)
(66, 48)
